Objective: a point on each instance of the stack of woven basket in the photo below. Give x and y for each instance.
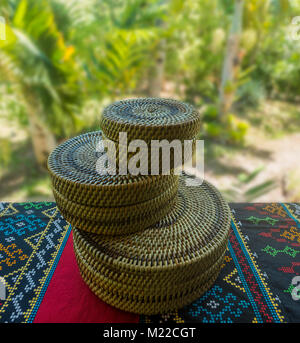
(146, 243)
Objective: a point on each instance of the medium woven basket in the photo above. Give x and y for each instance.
(103, 203)
(165, 266)
(116, 213)
(176, 155)
(72, 166)
(99, 224)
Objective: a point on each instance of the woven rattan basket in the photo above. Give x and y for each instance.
(150, 119)
(103, 203)
(146, 244)
(147, 300)
(115, 226)
(72, 166)
(165, 160)
(165, 266)
(116, 213)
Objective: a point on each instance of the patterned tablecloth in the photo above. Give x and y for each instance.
(259, 281)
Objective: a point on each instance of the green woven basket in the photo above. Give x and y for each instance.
(125, 221)
(150, 119)
(147, 282)
(153, 298)
(72, 166)
(108, 214)
(177, 156)
(164, 266)
(143, 303)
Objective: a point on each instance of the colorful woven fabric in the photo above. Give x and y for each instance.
(256, 281)
(32, 238)
(254, 285)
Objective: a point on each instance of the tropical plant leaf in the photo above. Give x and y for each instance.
(259, 190)
(247, 178)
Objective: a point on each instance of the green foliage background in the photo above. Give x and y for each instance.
(65, 60)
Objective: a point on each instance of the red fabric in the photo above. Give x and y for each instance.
(69, 300)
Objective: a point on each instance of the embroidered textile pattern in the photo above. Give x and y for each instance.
(32, 236)
(255, 283)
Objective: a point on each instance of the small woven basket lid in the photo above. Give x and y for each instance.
(176, 259)
(150, 119)
(72, 166)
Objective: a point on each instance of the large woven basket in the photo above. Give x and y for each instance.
(165, 266)
(147, 301)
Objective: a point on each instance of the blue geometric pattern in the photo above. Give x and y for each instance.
(20, 224)
(32, 237)
(255, 282)
(218, 306)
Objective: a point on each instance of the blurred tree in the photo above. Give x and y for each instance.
(274, 66)
(195, 45)
(36, 58)
(157, 68)
(232, 61)
(119, 62)
(243, 189)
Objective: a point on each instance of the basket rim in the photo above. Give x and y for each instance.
(142, 180)
(99, 248)
(184, 128)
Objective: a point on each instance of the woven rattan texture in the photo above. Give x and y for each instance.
(154, 297)
(116, 212)
(164, 266)
(116, 220)
(177, 157)
(149, 119)
(141, 282)
(72, 166)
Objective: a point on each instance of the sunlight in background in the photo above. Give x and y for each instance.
(238, 62)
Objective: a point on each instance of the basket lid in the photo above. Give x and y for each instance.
(150, 118)
(72, 166)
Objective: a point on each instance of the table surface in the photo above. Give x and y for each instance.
(40, 280)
